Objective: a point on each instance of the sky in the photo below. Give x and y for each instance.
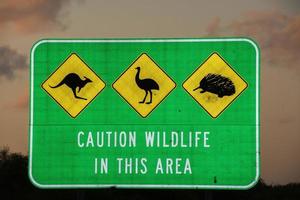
(274, 24)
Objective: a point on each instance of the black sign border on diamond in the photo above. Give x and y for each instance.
(73, 53)
(230, 68)
(160, 69)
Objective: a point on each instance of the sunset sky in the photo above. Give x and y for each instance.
(274, 24)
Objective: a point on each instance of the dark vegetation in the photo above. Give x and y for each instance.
(15, 184)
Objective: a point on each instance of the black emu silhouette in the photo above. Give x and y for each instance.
(145, 84)
(217, 84)
(73, 81)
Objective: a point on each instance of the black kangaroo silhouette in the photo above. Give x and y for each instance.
(145, 84)
(73, 81)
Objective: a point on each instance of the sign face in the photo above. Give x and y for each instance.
(144, 113)
(65, 84)
(219, 84)
(139, 83)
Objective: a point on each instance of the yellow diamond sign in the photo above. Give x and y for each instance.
(215, 85)
(144, 85)
(73, 85)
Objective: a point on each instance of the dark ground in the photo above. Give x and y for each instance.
(15, 184)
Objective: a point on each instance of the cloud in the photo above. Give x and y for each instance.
(31, 16)
(10, 62)
(277, 34)
(19, 103)
(22, 102)
(213, 26)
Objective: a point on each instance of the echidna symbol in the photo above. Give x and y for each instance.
(217, 84)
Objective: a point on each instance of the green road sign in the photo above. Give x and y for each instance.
(144, 113)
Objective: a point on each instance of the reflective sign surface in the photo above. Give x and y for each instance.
(144, 113)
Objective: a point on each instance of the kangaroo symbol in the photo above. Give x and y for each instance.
(73, 81)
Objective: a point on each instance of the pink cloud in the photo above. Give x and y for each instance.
(31, 15)
(213, 26)
(277, 34)
(22, 102)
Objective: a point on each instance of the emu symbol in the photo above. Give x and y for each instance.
(145, 84)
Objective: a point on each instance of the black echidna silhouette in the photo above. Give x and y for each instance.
(217, 84)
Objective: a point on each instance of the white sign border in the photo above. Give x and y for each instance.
(144, 41)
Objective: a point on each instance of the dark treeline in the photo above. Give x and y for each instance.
(15, 184)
